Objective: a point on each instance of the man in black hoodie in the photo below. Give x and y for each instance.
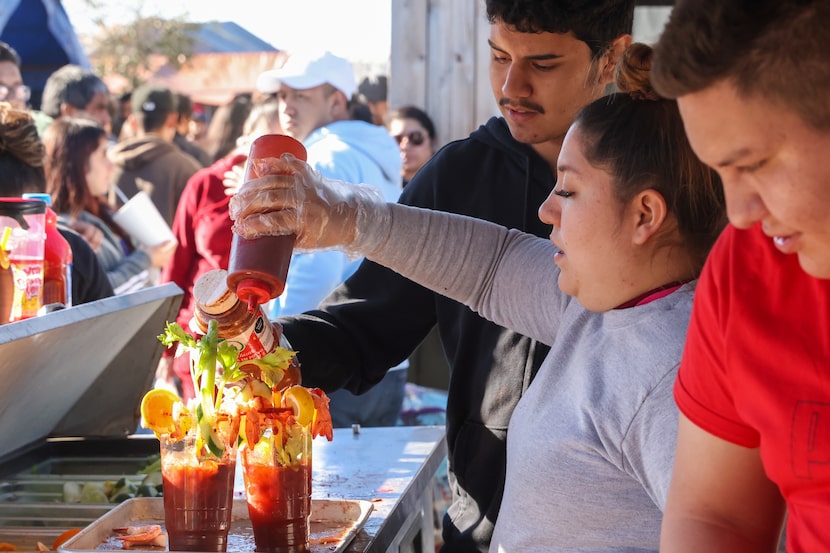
(548, 59)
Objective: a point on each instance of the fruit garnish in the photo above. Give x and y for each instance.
(6, 546)
(248, 401)
(269, 369)
(64, 537)
(256, 389)
(157, 411)
(205, 354)
(300, 401)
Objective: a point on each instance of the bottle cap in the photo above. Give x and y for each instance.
(269, 146)
(254, 292)
(274, 145)
(45, 198)
(212, 293)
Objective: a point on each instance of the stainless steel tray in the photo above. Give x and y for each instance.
(32, 507)
(334, 523)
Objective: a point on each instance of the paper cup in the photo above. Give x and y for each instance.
(141, 219)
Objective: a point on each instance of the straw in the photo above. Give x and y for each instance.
(121, 196)
(4, 242)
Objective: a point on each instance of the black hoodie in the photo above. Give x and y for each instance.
(377, 318)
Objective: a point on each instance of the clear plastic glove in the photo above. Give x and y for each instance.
(323, 213)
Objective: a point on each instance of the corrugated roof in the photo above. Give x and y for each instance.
(218, 37)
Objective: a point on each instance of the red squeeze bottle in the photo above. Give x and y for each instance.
(258, 267)
(57, 264)
(57, 257)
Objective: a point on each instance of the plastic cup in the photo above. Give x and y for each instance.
(278, 490)
(22, 239)
(141, 219)
(198, 495)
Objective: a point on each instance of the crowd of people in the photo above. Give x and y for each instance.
(628, 269)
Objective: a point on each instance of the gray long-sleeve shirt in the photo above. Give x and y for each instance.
(591, 443)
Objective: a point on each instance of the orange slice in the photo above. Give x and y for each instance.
(300, 401)
(157, 411)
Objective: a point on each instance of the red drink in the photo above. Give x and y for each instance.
(277, 471)
(198, 497)
(279, 504)
(258, 268)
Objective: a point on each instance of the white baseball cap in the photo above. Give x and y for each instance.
(303, 72)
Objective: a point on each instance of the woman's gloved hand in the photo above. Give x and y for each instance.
(323, 213)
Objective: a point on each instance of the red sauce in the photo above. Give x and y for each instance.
(258, 268)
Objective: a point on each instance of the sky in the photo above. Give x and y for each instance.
(355, 29)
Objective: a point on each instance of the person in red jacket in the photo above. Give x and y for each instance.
(202, 228)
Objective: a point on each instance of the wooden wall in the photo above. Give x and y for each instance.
(439, 60)
(439, 63)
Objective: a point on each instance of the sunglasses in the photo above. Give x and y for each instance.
(416, 138)
(18, 92)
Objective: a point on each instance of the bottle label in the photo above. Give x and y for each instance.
(256, 341)
(27, 276)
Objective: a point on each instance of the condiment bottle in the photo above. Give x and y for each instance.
(258, 267)
(57, 259)
(250, 331)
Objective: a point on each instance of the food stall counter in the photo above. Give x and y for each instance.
(393, 468)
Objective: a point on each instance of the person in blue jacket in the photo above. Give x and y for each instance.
(315, 93)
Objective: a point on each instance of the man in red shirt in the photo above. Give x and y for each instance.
(753, 87)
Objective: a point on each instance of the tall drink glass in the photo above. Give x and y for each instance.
(198, 494)
(277, 473)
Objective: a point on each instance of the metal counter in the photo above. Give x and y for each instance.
(70, 388)
(393, 468)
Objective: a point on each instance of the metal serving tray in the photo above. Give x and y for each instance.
(31, 493)
(334, 523)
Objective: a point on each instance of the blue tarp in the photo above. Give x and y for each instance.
(42, 34)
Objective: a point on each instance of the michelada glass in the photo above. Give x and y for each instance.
(277, 474)
(198, 492)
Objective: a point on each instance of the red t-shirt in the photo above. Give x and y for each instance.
(756, 371)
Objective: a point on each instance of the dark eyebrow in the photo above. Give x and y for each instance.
(538, 57)
(731, 157)
(563, 167)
